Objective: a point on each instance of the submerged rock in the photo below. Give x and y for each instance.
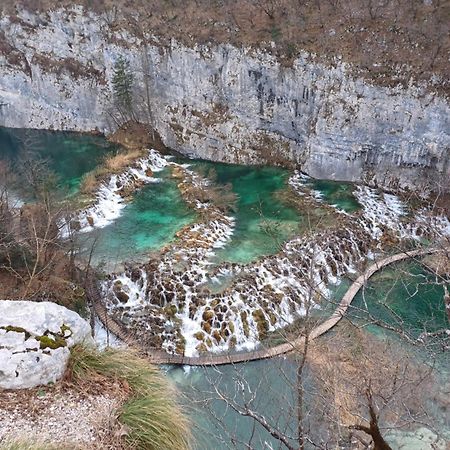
(34, 342)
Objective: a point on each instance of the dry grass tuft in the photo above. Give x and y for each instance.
(91, 180)
(89, 183)
(150, 418)
(29, 445)
(120, 161)
(112, 164)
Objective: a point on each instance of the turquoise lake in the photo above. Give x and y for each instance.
(68, 155)
(402, 295)
(148, 223)
(264, 220)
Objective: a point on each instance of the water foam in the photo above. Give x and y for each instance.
(110, 198)
(265, 295)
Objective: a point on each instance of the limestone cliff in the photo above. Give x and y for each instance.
(222, 102)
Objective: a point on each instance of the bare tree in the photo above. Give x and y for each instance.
(30, 242)
(350, 388)
(269, 7)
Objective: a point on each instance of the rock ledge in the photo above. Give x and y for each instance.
(34, 342)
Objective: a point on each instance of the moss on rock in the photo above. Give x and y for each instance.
(199, 335)
(261, 323)
(207, 315)
(245, 325)
(206, 327)
(66, 331)
(170, 310)
(54, 342)
(16, 330)
(216, 335)
(201, 348)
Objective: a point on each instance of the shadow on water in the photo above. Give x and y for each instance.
(69, 155)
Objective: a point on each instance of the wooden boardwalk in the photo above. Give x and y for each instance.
(157, 356)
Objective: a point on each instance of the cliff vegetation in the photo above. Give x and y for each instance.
(389, 41)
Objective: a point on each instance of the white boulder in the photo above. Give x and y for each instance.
(34, 342)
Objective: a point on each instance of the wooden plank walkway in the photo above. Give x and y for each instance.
(157, 356)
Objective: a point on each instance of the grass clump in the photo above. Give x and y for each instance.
(28, 445)
(151, 416)
(122, 160)
(112, 164)
(89, 183)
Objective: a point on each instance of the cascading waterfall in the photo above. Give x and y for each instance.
(167, 302)
(265, 295)
(110, 198)
(387, 210)
(383, 211)
(181, 269)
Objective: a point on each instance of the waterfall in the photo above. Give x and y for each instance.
(111, 196)
(167, 300)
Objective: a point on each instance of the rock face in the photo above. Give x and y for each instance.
(34, 342)
(224, 103)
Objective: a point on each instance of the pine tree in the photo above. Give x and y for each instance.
(122, 85)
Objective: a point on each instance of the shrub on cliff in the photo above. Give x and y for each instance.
(122, 87)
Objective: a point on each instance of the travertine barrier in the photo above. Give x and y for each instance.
(158, 356)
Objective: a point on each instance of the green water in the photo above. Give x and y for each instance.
(336, 193)
(263, 220)
(416, 304)
(149, 222)
(68, 155)
(405, 296)
(271, 379)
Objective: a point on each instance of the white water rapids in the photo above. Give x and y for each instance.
(167, 302)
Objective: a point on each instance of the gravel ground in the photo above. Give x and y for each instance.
(60, 417)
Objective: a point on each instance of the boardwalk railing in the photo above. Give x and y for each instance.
(158, 356)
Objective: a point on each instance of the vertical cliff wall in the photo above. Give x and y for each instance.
(221, 102)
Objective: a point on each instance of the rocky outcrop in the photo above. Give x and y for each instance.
(34, 342)
(224, 103)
